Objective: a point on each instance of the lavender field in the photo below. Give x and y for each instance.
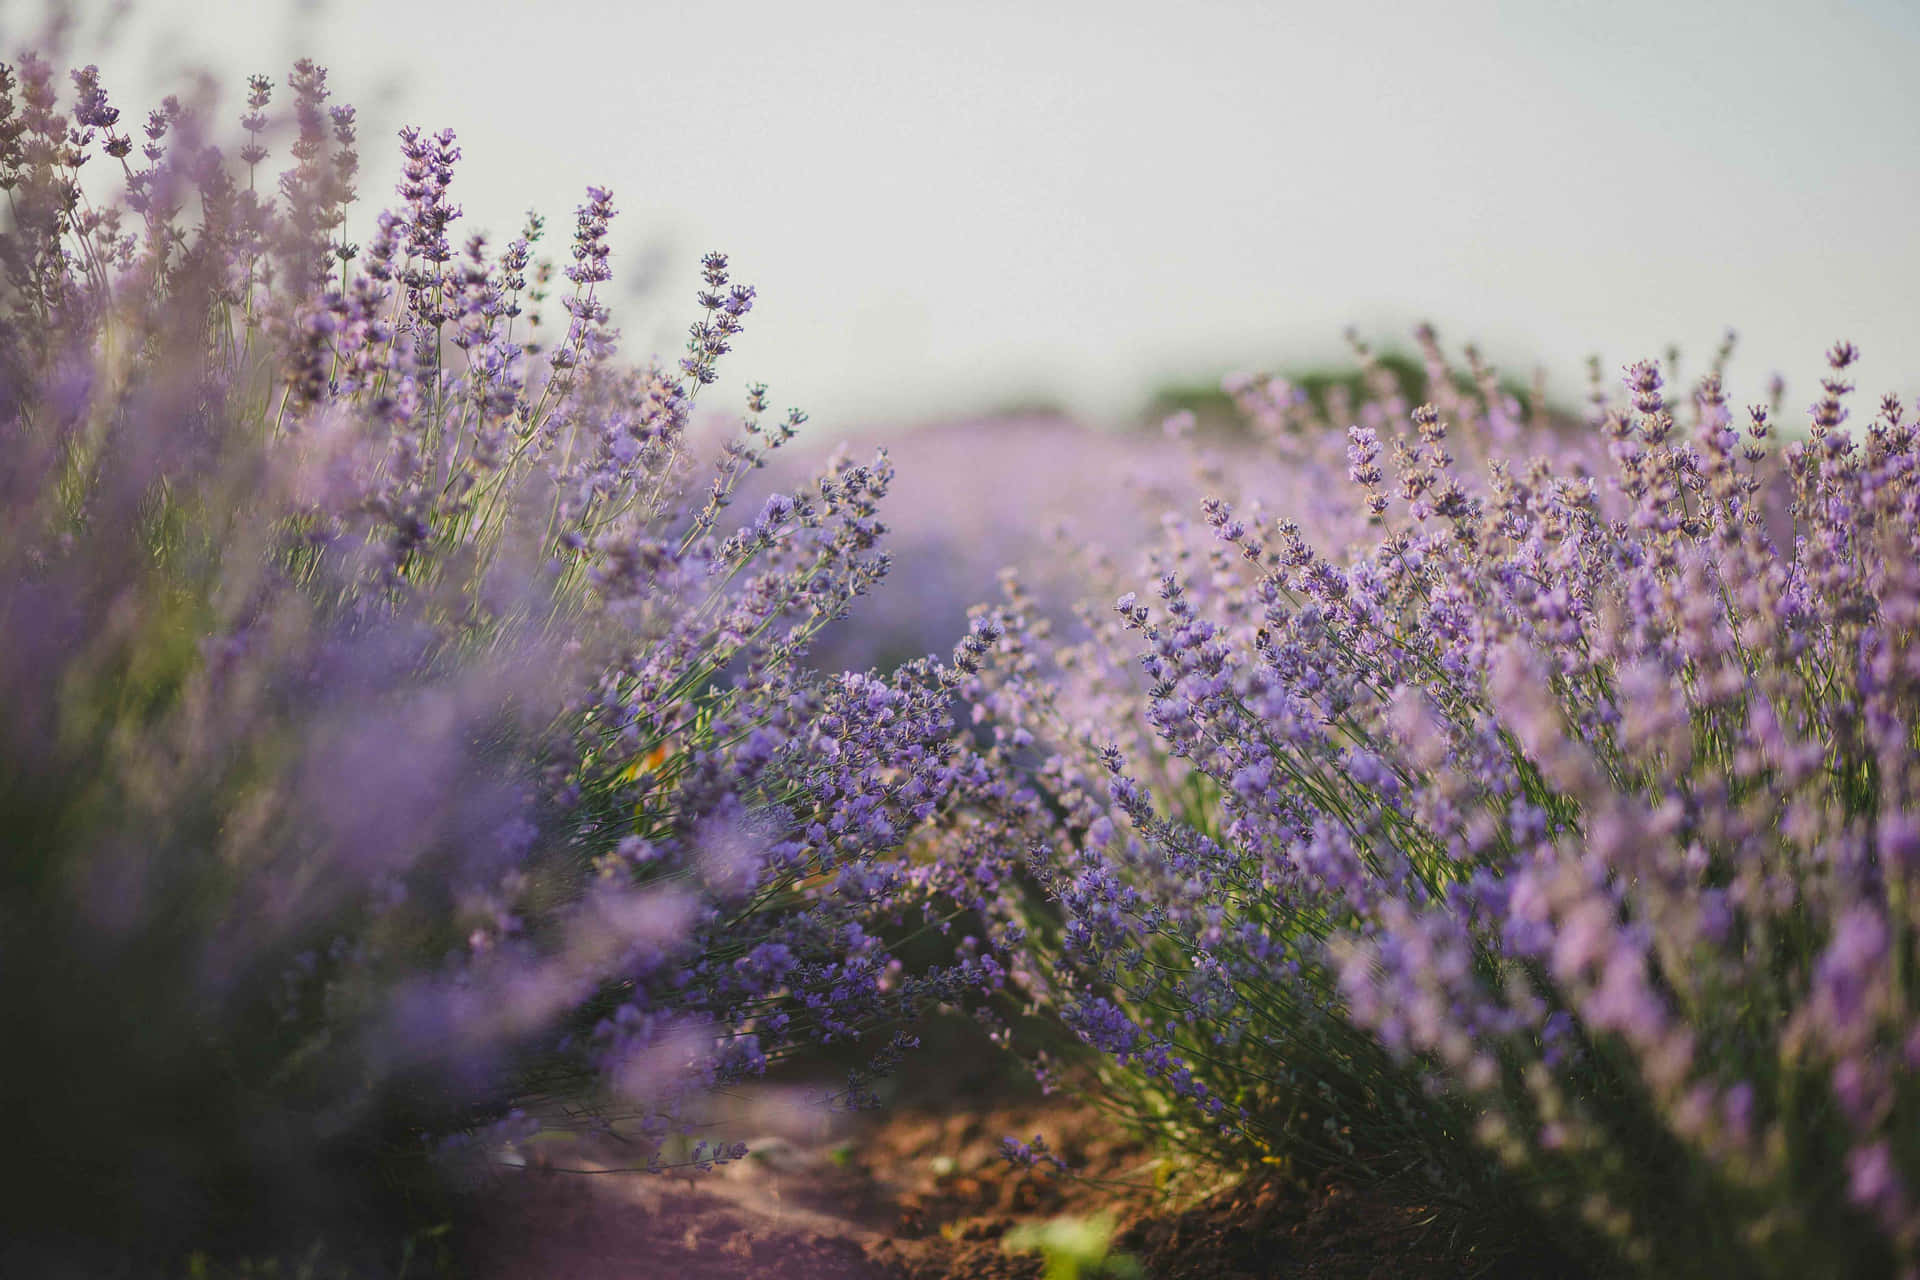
(481, 799)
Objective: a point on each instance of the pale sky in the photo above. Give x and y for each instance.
(948, 207)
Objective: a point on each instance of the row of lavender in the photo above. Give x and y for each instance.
(404, 742)
(403, 748)
(1563, 811)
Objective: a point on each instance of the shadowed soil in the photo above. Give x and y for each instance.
(922, 1194)
(920, 1191)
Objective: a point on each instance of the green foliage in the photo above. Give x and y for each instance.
(1075, 1248)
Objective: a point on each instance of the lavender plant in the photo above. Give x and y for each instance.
(1548, 827)
(402, 744)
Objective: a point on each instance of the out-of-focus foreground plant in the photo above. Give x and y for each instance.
(1073, 1247)
(394, 728)
(1552, 824)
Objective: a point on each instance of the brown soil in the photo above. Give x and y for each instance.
(920, 1192)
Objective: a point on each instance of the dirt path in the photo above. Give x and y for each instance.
(920, 1192)
(906, 1193)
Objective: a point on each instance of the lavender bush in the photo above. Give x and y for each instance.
(403, 750)
(1550, 824)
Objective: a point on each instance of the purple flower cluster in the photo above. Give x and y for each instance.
(1548, 823)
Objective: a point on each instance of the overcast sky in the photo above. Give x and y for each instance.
(948, 207)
